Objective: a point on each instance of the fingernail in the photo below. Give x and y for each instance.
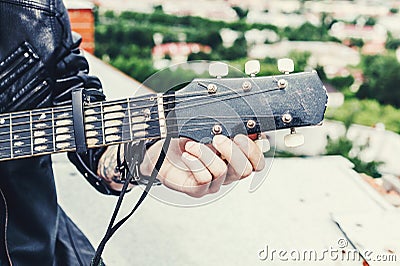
(189, 145)
(188, 156)
(241, 140)
(218, 140)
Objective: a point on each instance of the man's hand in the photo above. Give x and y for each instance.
(107, 167)
(197, 169)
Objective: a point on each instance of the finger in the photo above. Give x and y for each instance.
(233, 154)
(251, 150)
(232, 176)
(117, 186)
(199, 171)
(183, 181)
(210, 160)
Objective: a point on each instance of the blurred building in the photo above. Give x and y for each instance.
(82, 21)
(176, 52)
(331, 55)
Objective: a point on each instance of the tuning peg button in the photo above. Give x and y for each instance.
(218, 69)
(294, 139)
(286, 65)
(252, 67)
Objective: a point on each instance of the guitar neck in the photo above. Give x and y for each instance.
(200, 110)
(50, 130)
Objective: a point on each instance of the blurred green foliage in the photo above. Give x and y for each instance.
(342, 146)
(382, 79)
(342, 83)
(308, 32)
(366, 112)
(125, 40)
(242, 13)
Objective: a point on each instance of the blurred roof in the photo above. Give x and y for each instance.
(305, 203)
(116, 84)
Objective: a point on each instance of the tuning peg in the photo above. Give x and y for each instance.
(286, 65)
(263, 145)
(252, 67)
(294, 139)
(218, 69)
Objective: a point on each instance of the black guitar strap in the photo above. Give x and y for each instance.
(130, 175)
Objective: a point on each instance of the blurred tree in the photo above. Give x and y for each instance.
(158, 8)
(242, 13)
(342, 83)
(392, 43)
(300, 59)
(199, 56)
(371, 21)
(382, 79)
(342, 146)
(237, 51)
(135, 67)
(366, 112)
(356, 42)
(211, 38)
(306, 32)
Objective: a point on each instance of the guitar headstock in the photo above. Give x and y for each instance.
(248, 105)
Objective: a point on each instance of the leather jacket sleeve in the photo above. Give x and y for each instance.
(41, 63)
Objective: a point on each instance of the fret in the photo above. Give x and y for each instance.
(21, 134)
(11, 138)
(151, 125)
(93, 126)
(102, 122)
(5, 145)
(63, 127)
(42, 131)
(31, 130)
(116, 126)
(49, 130)
(53, 131)
(129, 120)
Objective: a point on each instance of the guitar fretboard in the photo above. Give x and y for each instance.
(50, 130)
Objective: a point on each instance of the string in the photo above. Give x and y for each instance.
(128, 125)
(141, 107)
(148, 137)
(202, 95)
(67, 109)
(70, 126)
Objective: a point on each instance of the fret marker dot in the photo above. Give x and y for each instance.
(42, 116)
(2, 121)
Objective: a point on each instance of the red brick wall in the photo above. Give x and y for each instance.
(82, 21)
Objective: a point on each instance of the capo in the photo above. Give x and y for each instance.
(78, 98)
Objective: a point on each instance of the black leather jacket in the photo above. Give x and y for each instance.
(33, 229)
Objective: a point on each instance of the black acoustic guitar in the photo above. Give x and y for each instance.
(200, 110)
